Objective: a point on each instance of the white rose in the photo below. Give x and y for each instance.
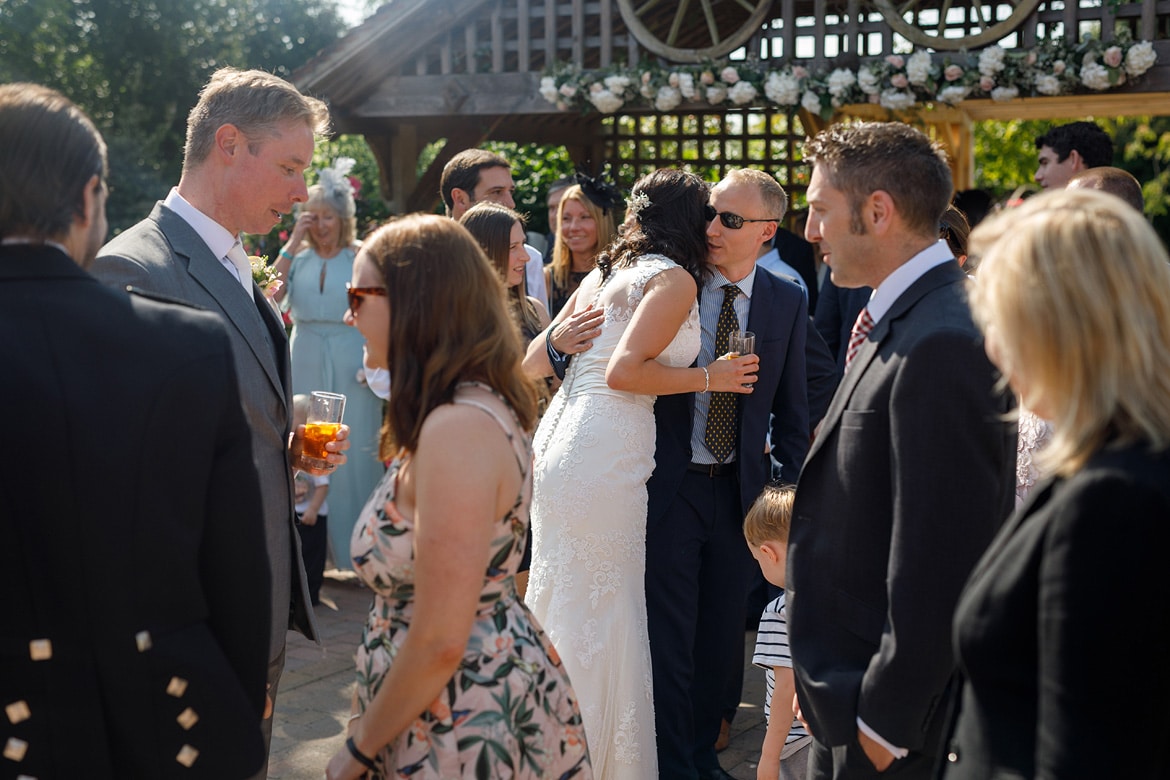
(918, 68)
(896, 99)
(953, 94)
(605, 101)
(647, 90)
(568, 90)
(742, 93)
(548, 89)
(616, 84)
(729, 75)
(1058, 67)
(868, 81)
(1140, 58)
(782, 89)
(716, 95)
(1002, 94)
(1095, 76)
(686, 85)
(667, 98)
(1047, 84)
(840, 81)
(991, 60)
(811, 102)
(673, 80)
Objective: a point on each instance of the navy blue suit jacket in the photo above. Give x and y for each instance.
(779, 404)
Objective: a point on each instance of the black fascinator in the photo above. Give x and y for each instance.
(604, 195)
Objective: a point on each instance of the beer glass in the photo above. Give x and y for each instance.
(322, 426)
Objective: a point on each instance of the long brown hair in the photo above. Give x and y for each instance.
(491, 225)
(447, 319)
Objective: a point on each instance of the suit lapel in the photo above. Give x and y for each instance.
(928, 282)
(241, 311)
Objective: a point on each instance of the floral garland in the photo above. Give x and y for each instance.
(896, 82)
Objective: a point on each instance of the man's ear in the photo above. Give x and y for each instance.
(89, 203)
(879, 211)
(769, 231)
(229, 141)
(460, 198)
(1078, 162)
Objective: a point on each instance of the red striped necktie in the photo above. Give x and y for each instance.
(858, 335)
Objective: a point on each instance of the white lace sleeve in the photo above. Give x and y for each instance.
(1033, 434)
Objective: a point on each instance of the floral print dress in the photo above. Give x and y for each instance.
(509, 710)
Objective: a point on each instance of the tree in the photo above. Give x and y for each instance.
(136, 67)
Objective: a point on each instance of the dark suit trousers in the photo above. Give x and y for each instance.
(698, 569)
(849, 762)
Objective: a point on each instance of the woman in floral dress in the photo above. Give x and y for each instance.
(455, 678)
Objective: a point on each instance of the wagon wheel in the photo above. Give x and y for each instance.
(906, 19)
(719, 27)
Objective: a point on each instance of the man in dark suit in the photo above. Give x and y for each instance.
(132, 554)
(249, 140)
(698, 567)
(911, 473)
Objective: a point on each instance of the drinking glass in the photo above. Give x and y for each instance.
(322, 426)
(741, 342)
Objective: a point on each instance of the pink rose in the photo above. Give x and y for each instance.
(896, 60)
(1031, 58)
(646, 77)
(1058, 67)
(1113, 56)
(987, 83)
(799, 72)
(875, 98)
(953, 73)
(899, 81)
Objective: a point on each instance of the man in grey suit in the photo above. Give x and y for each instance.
(910, 474)
(249, 140)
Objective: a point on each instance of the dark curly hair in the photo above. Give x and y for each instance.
(671, 223)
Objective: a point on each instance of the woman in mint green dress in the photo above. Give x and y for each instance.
(315, 265)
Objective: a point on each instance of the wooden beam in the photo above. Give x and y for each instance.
(1070, 106)
(465, 135)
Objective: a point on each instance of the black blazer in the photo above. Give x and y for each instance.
(911, 474)
(1063, 631)
(837, 310)
(130, 536)
(779, 318)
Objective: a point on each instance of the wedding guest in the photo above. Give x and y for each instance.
(1112, 180)
(713, 454)
(455, 677)
(476, 175)
(132, 552)
(1073, 297)
(1066, 150)
(911, 472)
(586, 225)
(315, 264)
(249, 139)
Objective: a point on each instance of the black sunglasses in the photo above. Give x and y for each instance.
(355, 295)
(729, 220)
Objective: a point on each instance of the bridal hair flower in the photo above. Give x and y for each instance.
(338, 188)
(637, 203)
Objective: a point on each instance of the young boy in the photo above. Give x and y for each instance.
(309, 493)
(784, 754)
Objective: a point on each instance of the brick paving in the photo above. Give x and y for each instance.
(317, 685)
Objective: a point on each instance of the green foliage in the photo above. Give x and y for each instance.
(136, 67)
(1005, 158)
(534, 168)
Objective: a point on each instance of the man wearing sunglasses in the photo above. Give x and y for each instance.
(698, 568)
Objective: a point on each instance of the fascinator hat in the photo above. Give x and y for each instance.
(336, 190)
(601, 193)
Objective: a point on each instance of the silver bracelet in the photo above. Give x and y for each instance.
(353, 717)
(706, 379)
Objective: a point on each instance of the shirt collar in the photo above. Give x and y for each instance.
(892, 287)
(218, 239)
(717, 280)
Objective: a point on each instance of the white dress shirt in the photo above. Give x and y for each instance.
(219, 240)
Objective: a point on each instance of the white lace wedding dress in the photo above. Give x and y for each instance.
(594, 451)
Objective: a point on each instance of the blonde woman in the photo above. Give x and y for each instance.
(587, 226)
(1073, 297)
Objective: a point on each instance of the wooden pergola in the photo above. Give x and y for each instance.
(469, 71)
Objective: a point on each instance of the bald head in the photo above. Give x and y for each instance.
(1112, 180)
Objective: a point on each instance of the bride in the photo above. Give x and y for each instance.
(594, 451)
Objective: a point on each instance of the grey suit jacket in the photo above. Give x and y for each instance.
(911, 474)
(164, 255)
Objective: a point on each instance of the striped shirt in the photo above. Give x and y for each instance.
(771, 651)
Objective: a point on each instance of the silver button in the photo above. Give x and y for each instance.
(953, 757)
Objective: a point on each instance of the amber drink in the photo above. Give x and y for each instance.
(322, 426)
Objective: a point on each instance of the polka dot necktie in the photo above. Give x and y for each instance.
(719, 435)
